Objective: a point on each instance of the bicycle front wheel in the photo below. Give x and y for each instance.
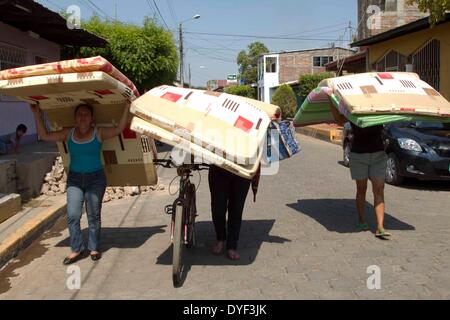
(178, 240)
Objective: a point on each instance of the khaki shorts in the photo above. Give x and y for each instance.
(368, 165)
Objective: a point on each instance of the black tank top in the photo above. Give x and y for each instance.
(367, 140)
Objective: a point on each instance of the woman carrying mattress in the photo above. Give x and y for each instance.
(228, 193)
(368, 161)
(86, 181)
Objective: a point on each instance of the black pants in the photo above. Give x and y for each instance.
(228, 191)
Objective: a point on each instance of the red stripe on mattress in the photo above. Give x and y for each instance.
(408, 109)
(129, 134)
(171, 96)
(38, 98)
(385, 76)
(243, 124)
(104, 92)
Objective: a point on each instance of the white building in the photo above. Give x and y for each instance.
(275, 69)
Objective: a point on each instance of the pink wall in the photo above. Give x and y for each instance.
(13, 112)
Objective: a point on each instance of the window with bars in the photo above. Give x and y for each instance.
(322, 61)
(426, 63)
(392, 61)
(11, 57)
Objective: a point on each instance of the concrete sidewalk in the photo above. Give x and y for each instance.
(19, 231)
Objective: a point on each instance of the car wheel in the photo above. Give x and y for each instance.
(346, 157)
(392, 171)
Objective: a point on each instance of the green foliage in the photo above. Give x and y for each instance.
(284, 97)
(248, 61)
(309, 82)
(436, 8)
(243, 91)
(146, 54)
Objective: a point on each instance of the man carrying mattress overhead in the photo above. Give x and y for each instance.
(368, 160)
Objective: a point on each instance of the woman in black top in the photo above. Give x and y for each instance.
(368, 161)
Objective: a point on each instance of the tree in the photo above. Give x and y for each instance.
(284, 97)
(243, 91)
(309, 82)
(436, 8)
(248, 61)
(146, 54)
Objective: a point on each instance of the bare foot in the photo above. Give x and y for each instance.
(218, 248)
(233, 255)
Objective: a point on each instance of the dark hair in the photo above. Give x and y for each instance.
(22, 127)
(85, 105)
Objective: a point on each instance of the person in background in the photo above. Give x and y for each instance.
(368, 161)
(11, 142)
(86, 181)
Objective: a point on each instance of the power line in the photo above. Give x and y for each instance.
(172, 12)
(213, 57)
(151, 7)
(154, 2)
(91, 7)
(313, 30)
(260, 36)
(55, 5)
(99, 9)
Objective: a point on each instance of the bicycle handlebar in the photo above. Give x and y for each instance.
(170, 164)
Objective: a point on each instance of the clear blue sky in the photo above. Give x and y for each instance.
(213, 57)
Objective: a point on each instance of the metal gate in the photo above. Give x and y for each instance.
(427, 62)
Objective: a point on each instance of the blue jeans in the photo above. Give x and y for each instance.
(86, 188)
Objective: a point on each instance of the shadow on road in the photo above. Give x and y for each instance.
(253, 234)
(340, 215)
(122, 238)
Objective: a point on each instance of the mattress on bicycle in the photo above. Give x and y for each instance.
(222, 123)
(200, 154)
(128, 159)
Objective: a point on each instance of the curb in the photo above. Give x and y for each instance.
(30, 231)
(325, 134)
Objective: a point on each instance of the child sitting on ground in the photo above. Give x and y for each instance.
(10, 142)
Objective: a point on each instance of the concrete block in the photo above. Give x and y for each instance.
(8, 180)
(9, 206)
(31, 174)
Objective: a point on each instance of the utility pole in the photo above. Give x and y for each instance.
(197, 16)
(181, 56)
(351, 33)
(189, 75)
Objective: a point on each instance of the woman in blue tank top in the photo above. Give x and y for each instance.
(86, 181)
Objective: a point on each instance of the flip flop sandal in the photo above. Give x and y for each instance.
(382, 234)
(362, 227)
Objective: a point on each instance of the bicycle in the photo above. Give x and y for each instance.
(183, 212)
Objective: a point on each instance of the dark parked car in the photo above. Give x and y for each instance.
(415, 149)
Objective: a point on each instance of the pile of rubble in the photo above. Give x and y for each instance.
(56, 183)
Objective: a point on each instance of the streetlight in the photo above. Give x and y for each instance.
(197, 16)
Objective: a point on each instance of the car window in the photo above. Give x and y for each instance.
(432, 125)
